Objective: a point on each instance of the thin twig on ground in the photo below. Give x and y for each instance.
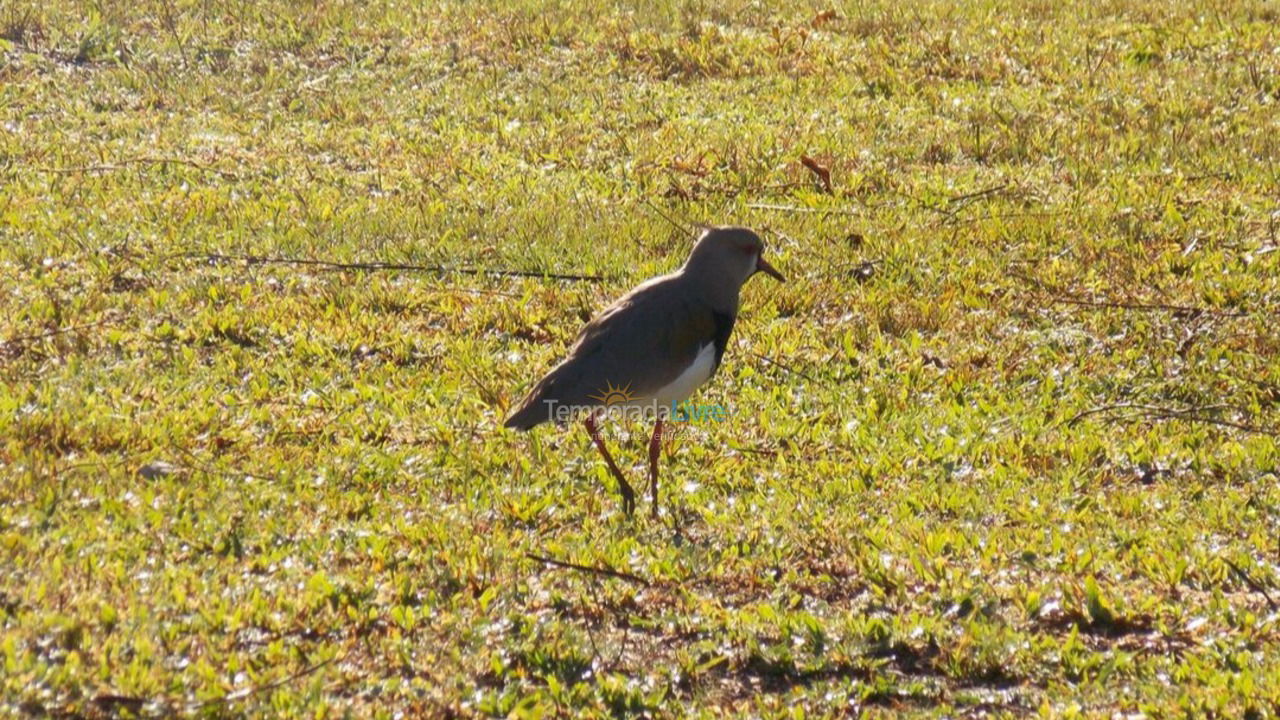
(1059, 296)
(754, 451)
(239, 695)
(72, 328)
(197, 464)
(784, 366)
(957, 221)
(794, 209)
(1156, 307)
(1254, 584)
(606, 571)
(979, 193)
(111, 701)
(674, 223)
(1192, 414)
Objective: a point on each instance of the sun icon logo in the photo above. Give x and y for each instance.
(614, 395)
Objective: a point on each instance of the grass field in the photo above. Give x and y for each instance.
(1004, 445)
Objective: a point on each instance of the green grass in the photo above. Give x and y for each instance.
(980, 464)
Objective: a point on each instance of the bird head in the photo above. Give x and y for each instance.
(726, 257)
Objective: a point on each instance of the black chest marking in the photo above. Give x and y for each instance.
(724, 326)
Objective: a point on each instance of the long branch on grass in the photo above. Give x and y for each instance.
(1062, 297)
(1191, 414)
(606, 571)
(147, 160)
(371, 266)
(1254, 584)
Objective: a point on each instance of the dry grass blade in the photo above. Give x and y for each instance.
(821, 172)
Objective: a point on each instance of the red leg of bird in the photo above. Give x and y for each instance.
(655, 452)
(628, 495)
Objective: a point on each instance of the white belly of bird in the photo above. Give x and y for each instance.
(679, 390)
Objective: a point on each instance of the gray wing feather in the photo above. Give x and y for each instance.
(642, 343)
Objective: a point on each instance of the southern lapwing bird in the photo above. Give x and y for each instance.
(652, 347)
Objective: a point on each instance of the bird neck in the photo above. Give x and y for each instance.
(720, 296)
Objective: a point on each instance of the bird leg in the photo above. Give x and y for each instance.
(628, 495)
(655, 452)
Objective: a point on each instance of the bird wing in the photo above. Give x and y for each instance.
(641, 343)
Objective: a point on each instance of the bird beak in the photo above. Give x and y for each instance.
(764, 267)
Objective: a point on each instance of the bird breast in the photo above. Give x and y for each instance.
(700, 371)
